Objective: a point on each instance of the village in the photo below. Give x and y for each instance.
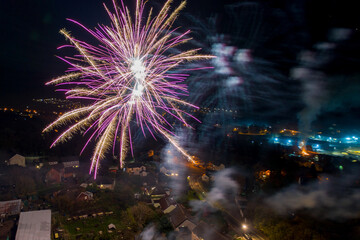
(119, 204)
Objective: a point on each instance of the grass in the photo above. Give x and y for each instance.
(92, 225)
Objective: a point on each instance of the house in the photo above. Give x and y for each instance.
(55, 174)
(206, 231)
(69, 173)
(157, 193)
(8, 208)
(167, 204)
(168, 170)
(39, 165)
(113, 169)
(180, 218)
(106, 183)
(136, 169)
(52, 163)
(17, 160)
(85, 196)
(70, 162)
(111, 226)
(34, 225)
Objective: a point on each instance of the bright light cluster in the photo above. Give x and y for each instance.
(132, 76)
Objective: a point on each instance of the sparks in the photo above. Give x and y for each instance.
(131, 76)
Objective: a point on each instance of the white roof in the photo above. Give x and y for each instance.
(34, 225)
(111, 225)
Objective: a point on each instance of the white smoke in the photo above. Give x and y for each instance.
(334, 198)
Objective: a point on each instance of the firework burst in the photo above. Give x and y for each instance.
(131, 76)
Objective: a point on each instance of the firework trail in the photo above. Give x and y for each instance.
(129, 77)
(248, 76)
(249, 81)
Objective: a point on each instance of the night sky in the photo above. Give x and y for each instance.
(30, 36)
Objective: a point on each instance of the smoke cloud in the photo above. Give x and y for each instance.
(331, 198)
(223, 191)
(150, 233)
(173, 160)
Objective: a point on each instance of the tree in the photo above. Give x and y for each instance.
(24, 185)
(165, 225)
(142, 214)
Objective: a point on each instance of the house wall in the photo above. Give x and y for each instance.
(17, 160)
(53, 176)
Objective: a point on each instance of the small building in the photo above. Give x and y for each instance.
(17, 160)
(136, 169)
(106, 183)
(70, 162)
(168, 170)
(111, 226)
(167, 204)
(34, 225)
(114, 169)
(52, 163)
(85, 196)
(180, 218)
(9, 208)
(55, 174)
(156, 193)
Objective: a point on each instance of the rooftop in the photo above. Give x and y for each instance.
(34, 225)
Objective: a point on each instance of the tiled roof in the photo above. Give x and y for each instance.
(206, 231)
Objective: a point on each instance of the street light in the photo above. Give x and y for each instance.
(244, 227)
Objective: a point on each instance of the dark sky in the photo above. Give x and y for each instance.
(30, 34)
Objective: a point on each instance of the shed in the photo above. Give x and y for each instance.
(17, 160)
(111, 226)
(34, 225)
